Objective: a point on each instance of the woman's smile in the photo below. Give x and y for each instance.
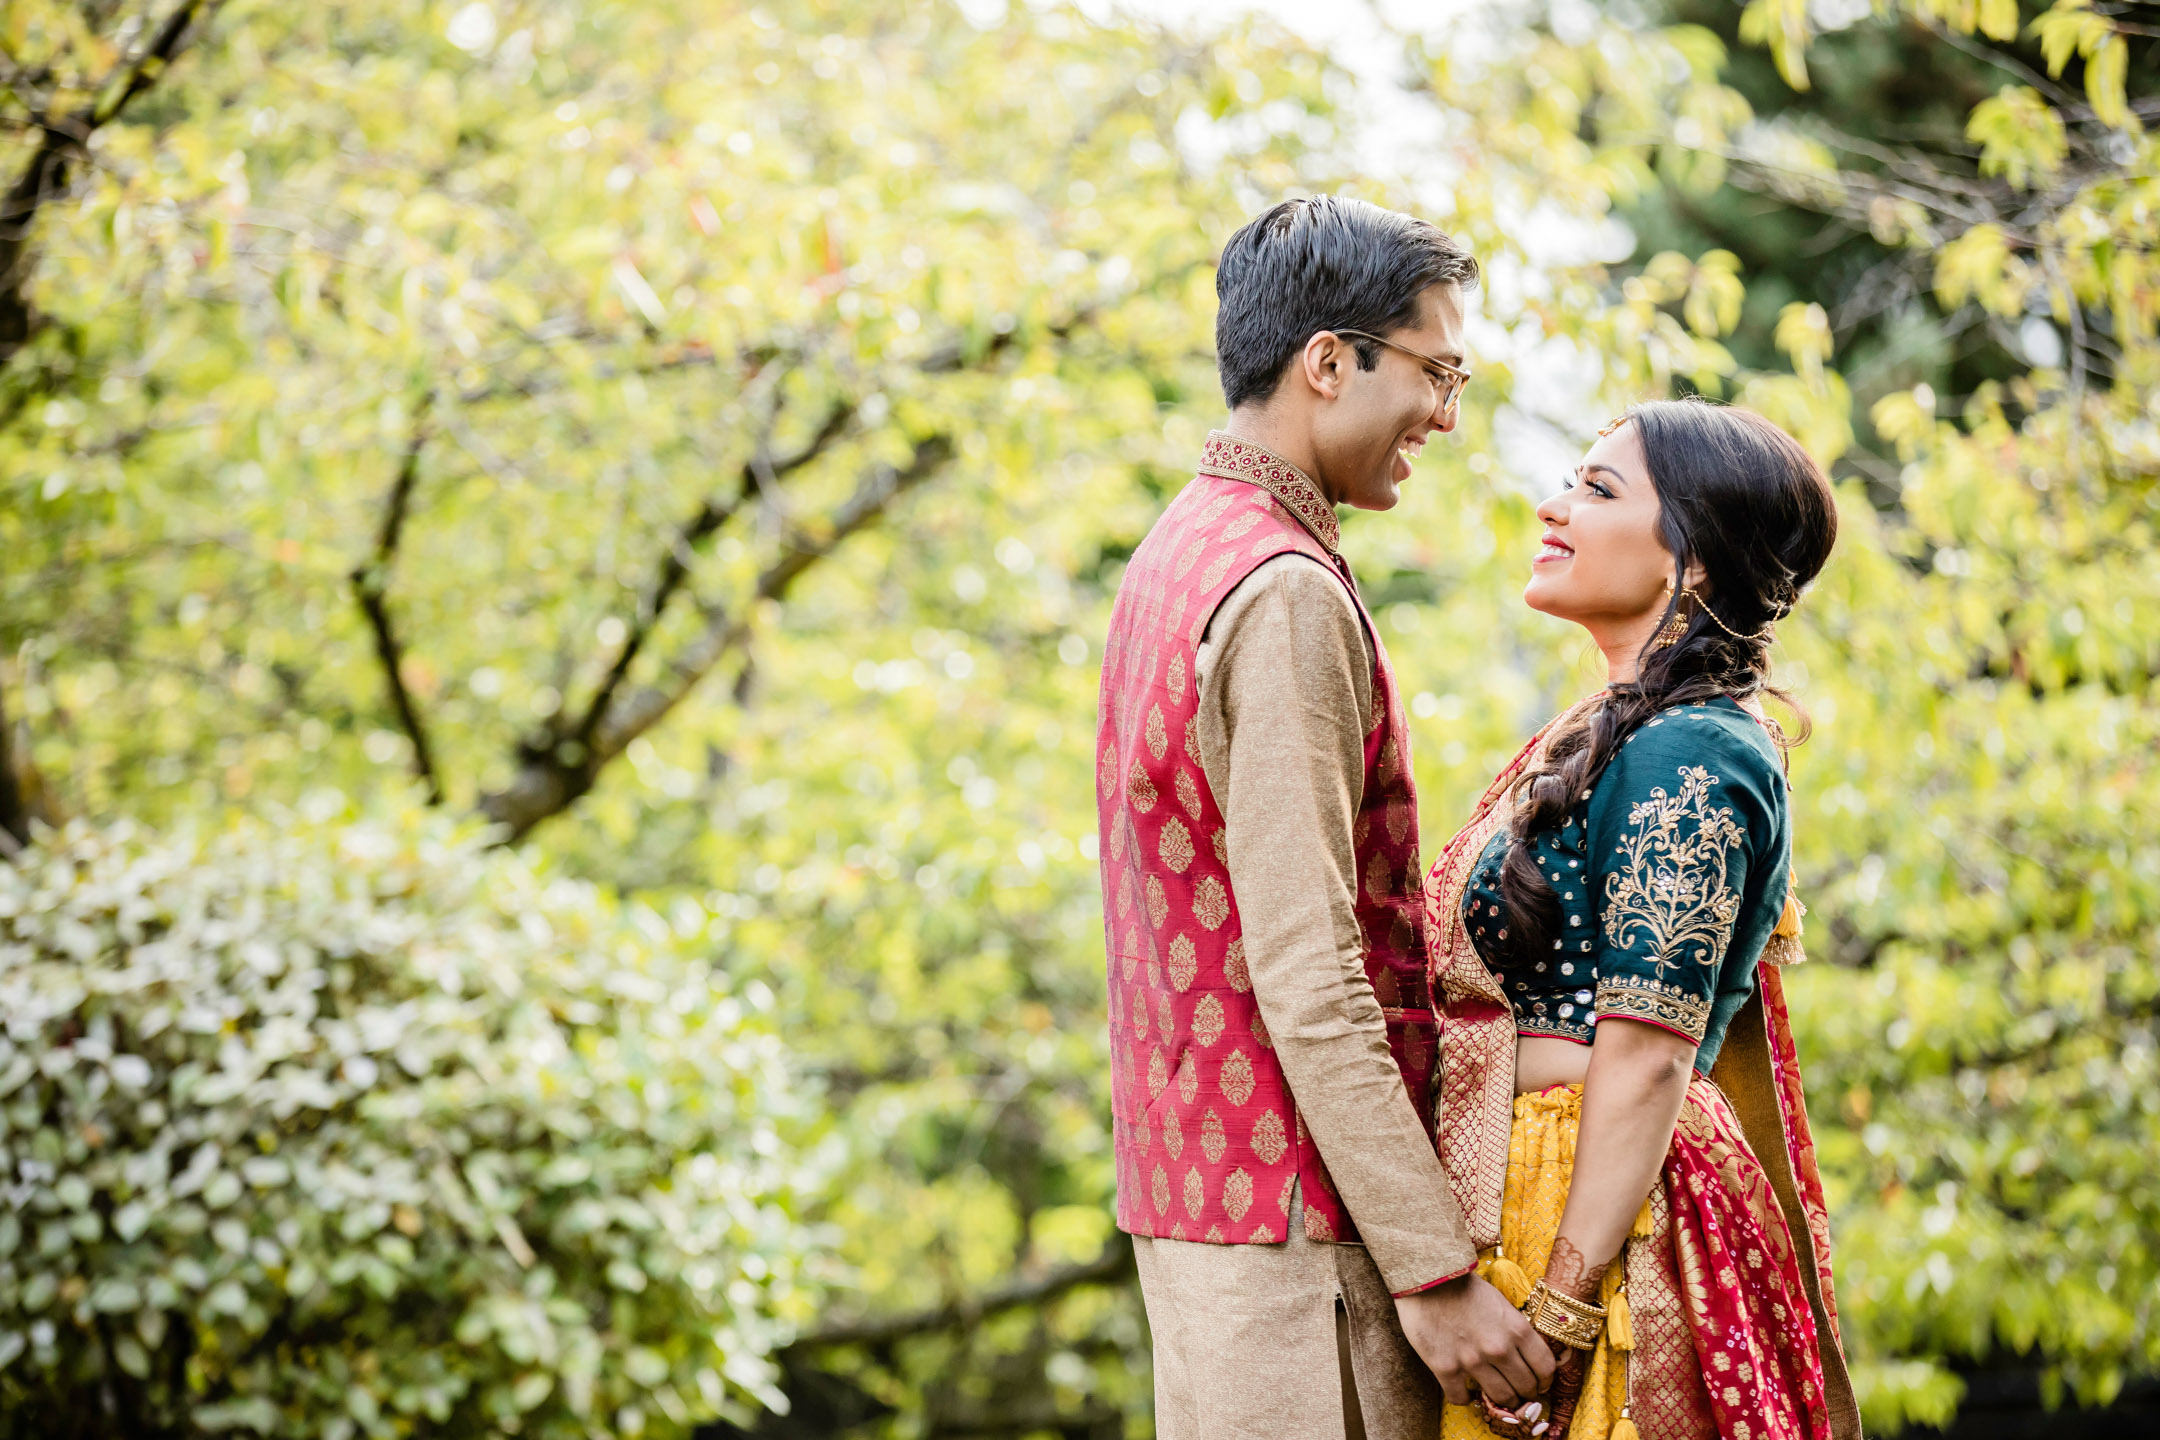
(1602, 559)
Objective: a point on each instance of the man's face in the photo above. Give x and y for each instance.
(1379, 419)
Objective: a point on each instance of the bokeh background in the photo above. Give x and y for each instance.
(552, 567)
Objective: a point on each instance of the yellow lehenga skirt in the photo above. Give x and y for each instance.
(1541, 1162)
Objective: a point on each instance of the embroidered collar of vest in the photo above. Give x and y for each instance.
(1229, 458)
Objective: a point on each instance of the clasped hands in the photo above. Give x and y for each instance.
(1477, 1344)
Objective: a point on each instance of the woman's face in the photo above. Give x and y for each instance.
(1602, 561)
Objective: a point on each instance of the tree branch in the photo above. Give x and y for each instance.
(557, 767)
(46, 174)
(1989, 55)
(873, 496)
(715, 512)
(371, 579)
(685, 356)
(559, 764)
(1113, 1266)
(949, 357)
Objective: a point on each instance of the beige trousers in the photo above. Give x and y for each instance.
(1294, 1340)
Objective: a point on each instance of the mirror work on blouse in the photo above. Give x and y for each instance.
(1670, 877)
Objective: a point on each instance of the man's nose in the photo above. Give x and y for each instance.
(1445, 413)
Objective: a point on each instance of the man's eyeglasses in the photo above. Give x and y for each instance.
(1447, 380)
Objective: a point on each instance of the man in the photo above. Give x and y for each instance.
(1272, 1036)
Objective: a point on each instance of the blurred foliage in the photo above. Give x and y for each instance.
(1957, 201)
(706, 443)
(335, 1129)
(477, 394)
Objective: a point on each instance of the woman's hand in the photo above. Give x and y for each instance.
(1637, 1081)
(1568, 1273)
(1529, 1422)
(1569, 1367)
(1547, 1419)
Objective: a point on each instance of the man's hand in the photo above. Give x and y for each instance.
(1473, 1340)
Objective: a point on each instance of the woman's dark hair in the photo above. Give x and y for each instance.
(1740, 496)
(1322, 264)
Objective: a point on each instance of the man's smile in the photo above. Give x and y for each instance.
(1406, 450)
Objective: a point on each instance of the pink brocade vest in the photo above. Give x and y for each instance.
(1207, 1137)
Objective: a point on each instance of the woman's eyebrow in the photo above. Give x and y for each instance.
(1607, 469)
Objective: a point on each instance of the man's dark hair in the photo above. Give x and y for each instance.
(1322, 264)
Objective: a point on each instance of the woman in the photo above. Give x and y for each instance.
(1606, 931)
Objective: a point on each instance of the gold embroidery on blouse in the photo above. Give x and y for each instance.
(1638, 997)
(1671, 887)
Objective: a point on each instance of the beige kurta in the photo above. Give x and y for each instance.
(1286, 693)
(1245, 1334)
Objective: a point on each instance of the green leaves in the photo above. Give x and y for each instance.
(2020, 135)
(1803, 332)
(656, 307)
(2105, 69)
(1782, 27)
(325, 1079)
(1710, 289)
(647, 361)
(1979, 265)
(2072, 28)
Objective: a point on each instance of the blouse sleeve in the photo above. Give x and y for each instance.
(1677, 822)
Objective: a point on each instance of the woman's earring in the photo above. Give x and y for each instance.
(1676, 624)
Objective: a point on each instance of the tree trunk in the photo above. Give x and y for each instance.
(14, 805)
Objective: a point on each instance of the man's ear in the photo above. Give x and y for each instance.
(1322, 361)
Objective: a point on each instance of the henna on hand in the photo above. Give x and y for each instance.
(1571, 1274)
(1566, 1393)
(1570, 1369)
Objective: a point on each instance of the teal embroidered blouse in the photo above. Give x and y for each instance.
(1671, 878)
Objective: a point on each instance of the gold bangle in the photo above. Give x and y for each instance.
(1575, 1323)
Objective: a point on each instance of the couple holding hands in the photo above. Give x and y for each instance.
(1514, 1146)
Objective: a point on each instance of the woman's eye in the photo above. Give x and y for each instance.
(1599, 487)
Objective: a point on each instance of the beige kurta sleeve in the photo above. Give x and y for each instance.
(1285, 672)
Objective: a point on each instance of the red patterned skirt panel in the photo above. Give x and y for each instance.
(1739, 1287)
